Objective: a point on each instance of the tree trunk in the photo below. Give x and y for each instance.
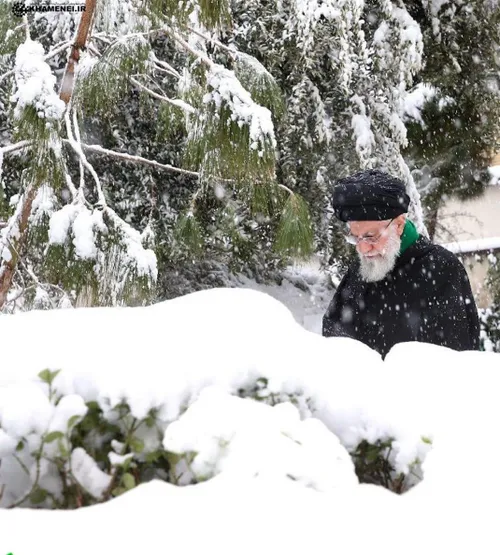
(8, 268)
(17, 243)
(82, 35)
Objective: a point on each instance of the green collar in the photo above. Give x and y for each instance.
(409, 236)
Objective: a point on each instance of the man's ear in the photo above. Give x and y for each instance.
(400, 223)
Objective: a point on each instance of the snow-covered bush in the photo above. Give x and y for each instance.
(256, 396)
(58, 451)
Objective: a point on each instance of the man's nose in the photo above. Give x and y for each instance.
(364, 247)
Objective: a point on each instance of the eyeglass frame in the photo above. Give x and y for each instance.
(353, 240)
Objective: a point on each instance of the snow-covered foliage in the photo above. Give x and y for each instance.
(258, 396)
(245, 94)
(225, 88)
(260, 408)
(35, 84)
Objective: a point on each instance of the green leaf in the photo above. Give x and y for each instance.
(137, 445)
(20, 446)
(73, 420)
(52, 436)
(372, 453)
(38, 495)
(118, 491)
(152, 457)
(48, 376)
(128, 481)
(150, 421)
(426, 440)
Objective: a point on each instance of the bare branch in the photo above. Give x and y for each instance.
(207, 61)
(286, 189)
(165, 66)
(77, 147)
(131, 158)
(174, 101)
(12, 148)
(77, 135)
(18, 224)
(26, 26)
(213, 41)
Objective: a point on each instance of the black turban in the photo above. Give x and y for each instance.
(369, 195)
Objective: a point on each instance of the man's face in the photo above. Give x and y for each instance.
(377, 255)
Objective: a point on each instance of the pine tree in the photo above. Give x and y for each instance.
(63, 233)
(344, 68)
(453, 121)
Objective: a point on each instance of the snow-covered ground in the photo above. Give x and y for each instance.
(305, 290)
(278, 478)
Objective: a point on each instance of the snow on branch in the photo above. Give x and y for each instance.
(227, 90)
(35, 84)
(131, 158)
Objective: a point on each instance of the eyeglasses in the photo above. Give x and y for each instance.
(370, 239)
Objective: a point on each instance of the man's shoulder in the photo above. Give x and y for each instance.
(427, 253)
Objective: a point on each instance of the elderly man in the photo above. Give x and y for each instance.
(401, 287)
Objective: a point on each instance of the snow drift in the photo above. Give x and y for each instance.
(265, 412)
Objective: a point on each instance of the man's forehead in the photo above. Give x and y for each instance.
(363, 227)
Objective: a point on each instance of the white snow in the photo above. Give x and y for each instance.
(35, 83)
(227, 88)
(277, 476)
(88, 474)
(60, 223)
(415, 100)
(244, 438)
(361, 124)
(474, 245)
(44, 203)
(82, 224)
(495, 175)
(83, 229)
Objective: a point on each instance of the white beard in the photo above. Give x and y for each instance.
(376, 268)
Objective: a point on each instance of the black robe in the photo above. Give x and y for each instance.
(427, 297)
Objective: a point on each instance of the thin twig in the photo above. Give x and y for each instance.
(207, 61)
(78, 138)
(233, 54)
(130, 158)
(11, 148)
(165, 66)
(174, 101)
(77, 147)
(286, 189)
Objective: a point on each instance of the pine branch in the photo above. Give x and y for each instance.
(48, 56)
(131, 158)
(165, 66)
(295, 236)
